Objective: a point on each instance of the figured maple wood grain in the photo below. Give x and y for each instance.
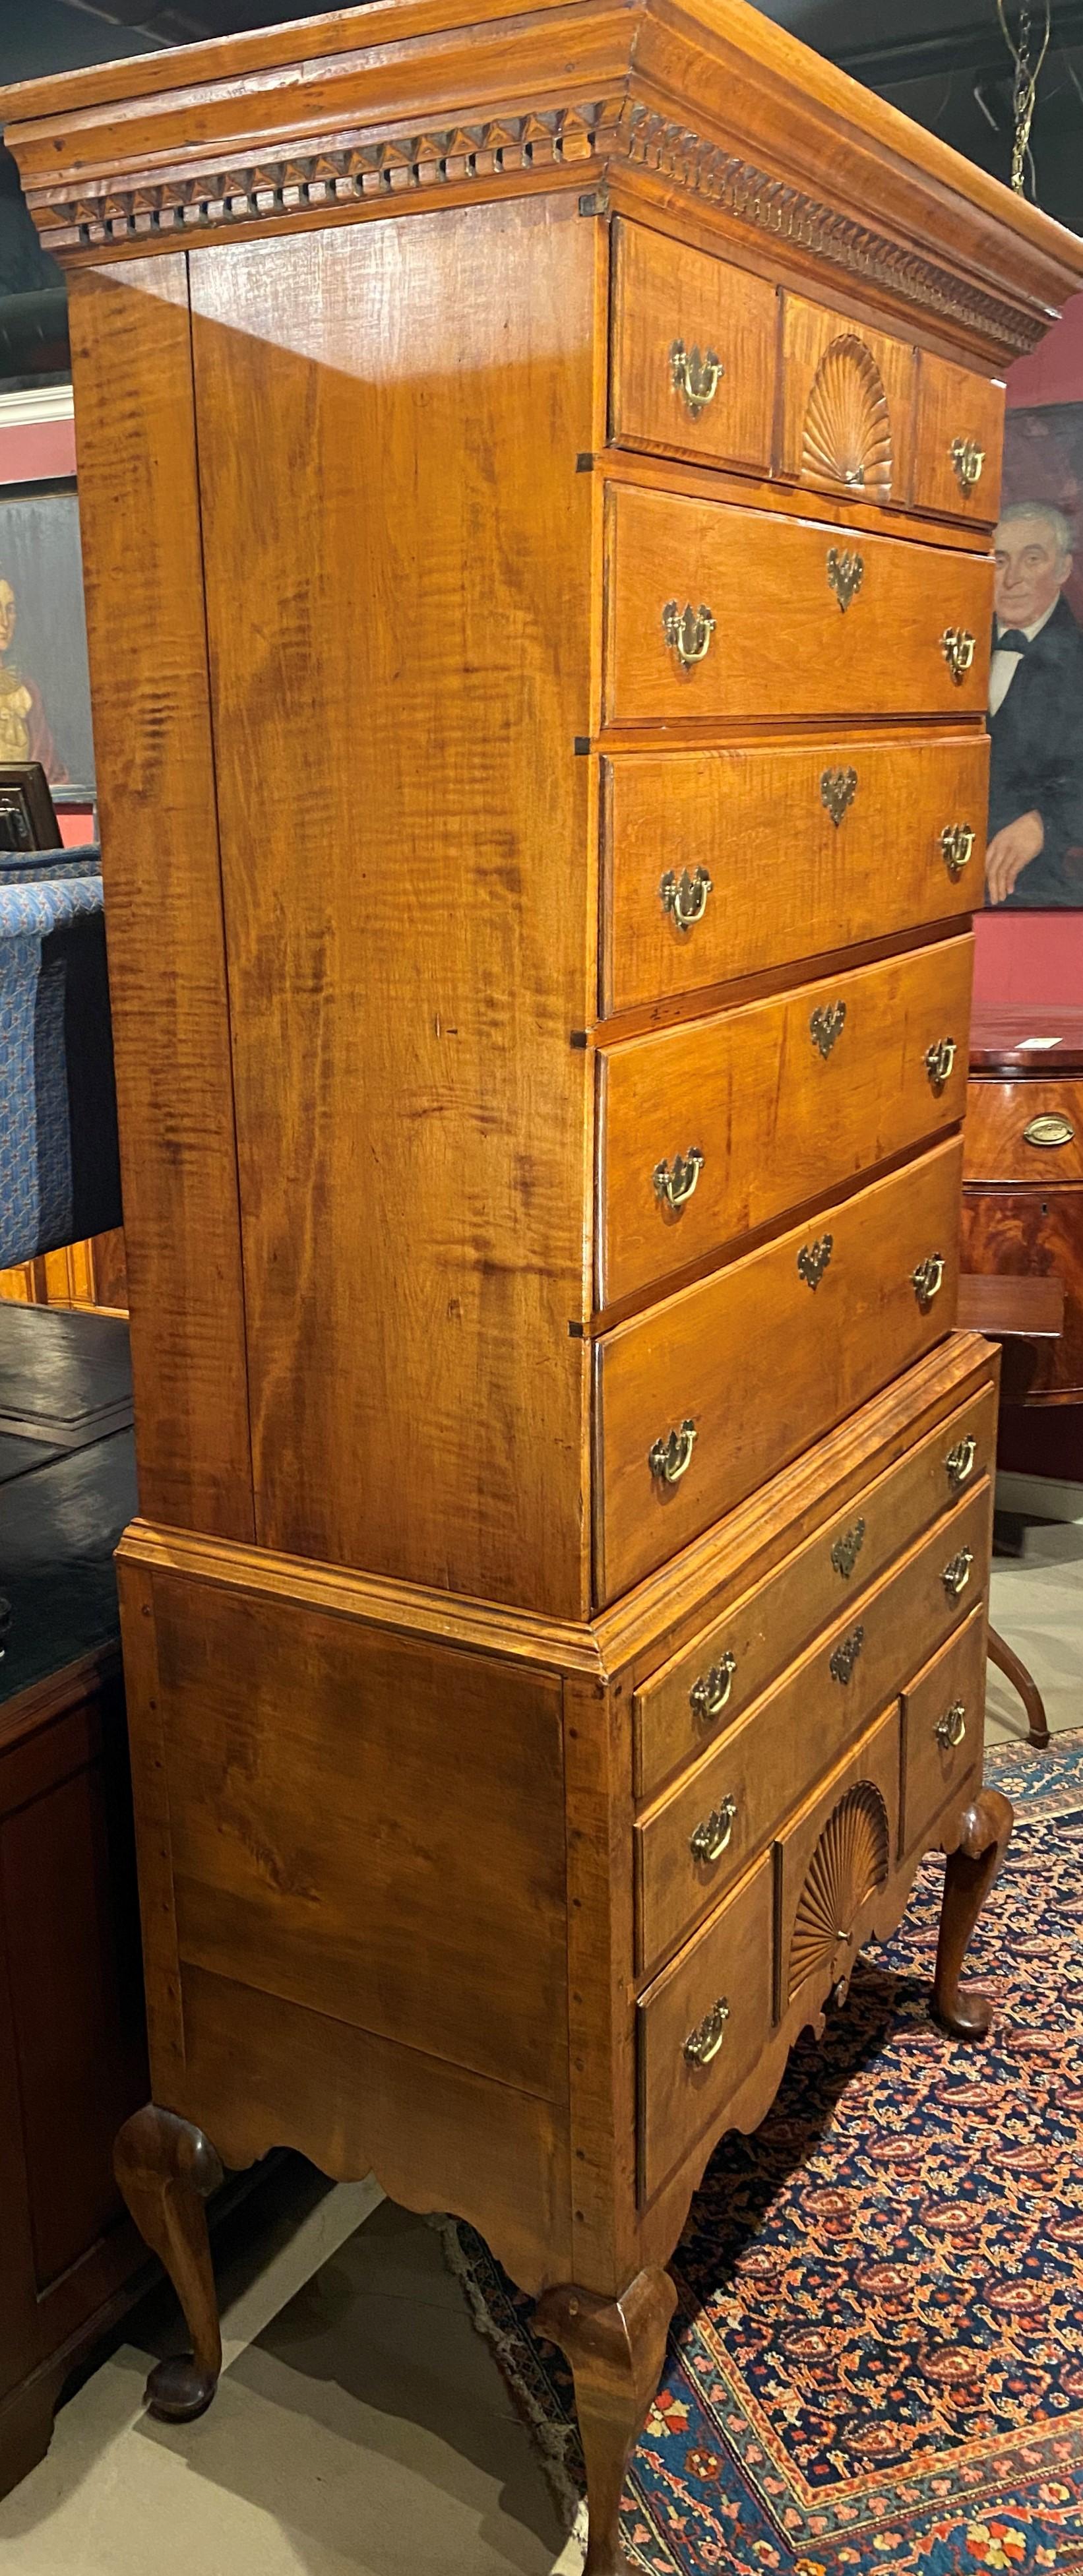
(954, 403)
(786, 882)
(139, 515)
(665, 292)
(776, 1119)
(730, 1963)
(762, 1364)
(938, 1766)
(782, 643)
(809, 333)
(397, 551)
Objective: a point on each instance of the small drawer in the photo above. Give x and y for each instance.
(943, 1721)
(844, 623)
(960, 436)
(708, 1132)
(847, 404)
(683, 1708)
(701, 2027)
(1037, 1234)
(700, 1838)
(1024, 1131)
(836, 1857)
(715, 1390)
(856, 839)
(693, 352)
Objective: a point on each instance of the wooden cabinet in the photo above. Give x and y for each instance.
(539, 640)
(1023, 1195)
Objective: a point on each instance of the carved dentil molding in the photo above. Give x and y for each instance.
(319, 175)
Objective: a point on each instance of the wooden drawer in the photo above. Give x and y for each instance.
(1034, 1234)
(1024, 1131)
(699, 1839)
(959, 416)
(733, 822)
(782, 645)
(760, 1362)
(836, 1855)
(713, 1681)
(759, 1110)
(943, 1715)
(693, 352)
(847, 404)
(702, 2025)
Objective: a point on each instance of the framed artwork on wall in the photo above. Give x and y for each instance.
(44, 684)
(1035, 854)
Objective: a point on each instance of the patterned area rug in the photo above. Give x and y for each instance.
(877, 2354)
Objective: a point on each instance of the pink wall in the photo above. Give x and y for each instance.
(36, 451)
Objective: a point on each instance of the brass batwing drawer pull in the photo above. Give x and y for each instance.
(928, 1279)
(696, 379)
(707, 1697)
(847, 1549)
(826, 1026)
(674, 1186)
(957, 646)
(838, 788)
(957, 843)
(706, 2039)
(685, 896)
(939, 1060)
(968, 459)
(687, 631)
(714, 1835)
(813, 1258)
(1049, 1128)
(956, 1575)
(671, 1458)
(845, 572)
(845, 1656)
(951, 1728)
(960, 1461)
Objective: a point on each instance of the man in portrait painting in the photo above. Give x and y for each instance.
(1035, 854)
(24, 731)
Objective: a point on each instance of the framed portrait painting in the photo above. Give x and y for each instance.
(44, 684)
(1035, 855)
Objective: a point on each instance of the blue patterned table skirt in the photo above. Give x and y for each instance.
(59, 1167)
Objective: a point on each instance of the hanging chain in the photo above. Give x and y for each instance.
(1024, 84)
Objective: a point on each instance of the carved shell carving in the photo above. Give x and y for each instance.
(847, 425)
(850, 1860)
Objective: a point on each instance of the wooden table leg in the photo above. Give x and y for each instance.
(970, 1872)
(166, 2170)
(616, 2349)
(1008, 1662)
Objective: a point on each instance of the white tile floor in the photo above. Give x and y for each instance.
(362, 2427)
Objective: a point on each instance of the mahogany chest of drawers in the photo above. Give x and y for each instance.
(537, 482)
(1023, 1174)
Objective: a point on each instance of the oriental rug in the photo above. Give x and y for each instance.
(877, 2354)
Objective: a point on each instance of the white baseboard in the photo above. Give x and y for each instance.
(1042, 1498)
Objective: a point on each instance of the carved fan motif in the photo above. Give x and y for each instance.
(850, 1860)
(847, 424)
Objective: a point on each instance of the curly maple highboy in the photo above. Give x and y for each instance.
(536, 479)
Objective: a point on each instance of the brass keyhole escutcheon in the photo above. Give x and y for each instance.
(685, 897)
(706, 2039)
(687, 631)
(951, 1728)
(674, 1184)
(968, 459)
(939, 1060)
(813, 1258)
(826, 1026)
(696, 379)
(845, 572)
(670, 1459)
(845, 1656)
(715, 1834)
(838, 787)
(707, 1697)
(957, 646)
(957, 843)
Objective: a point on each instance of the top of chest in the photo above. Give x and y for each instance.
(702, 110)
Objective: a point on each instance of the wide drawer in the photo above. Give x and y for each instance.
(717, 1388)
(693, 352)
(836, 1856)
(701, 2027)
(700, 1838)
(1024, 1131)
(683, 1708)
(943, 1719)
(786, 616)
(960, 436)
(855, 840)
(707, 1132)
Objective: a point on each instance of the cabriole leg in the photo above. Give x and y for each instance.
(967, 1880)
(616, 2349)
(166, 2170)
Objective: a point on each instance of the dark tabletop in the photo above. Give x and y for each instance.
(64, 1379)
(67, 1485)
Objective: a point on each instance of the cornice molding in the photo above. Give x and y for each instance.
(608, 134)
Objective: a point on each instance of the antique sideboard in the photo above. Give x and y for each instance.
(537, 476)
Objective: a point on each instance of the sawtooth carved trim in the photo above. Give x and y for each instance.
(317, 175)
